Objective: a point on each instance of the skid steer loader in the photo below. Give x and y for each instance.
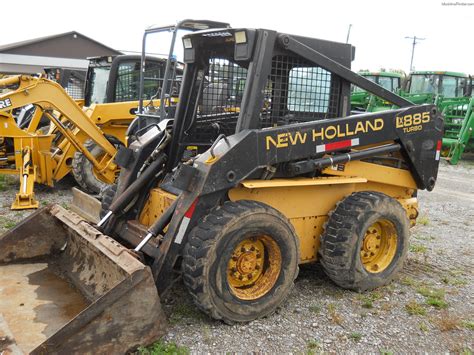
(288, 178)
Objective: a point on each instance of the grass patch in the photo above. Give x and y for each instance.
(436, 303)
(313, 345)
(184, 311)
(386, 352)
(408, 281)
(369, 299)
(415, 308)
(431, 292)
(468, 324)
(3, 184)
(355, 336)
(6, 181)
(162, 348)
(315, 308)
(423, 220)
(418, 248)
(434, 296)
(447, 322)
(335, 317)
(7, 223)
(454, 281)
(423, 327)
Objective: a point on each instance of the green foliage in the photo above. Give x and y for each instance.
(434, 296)
(355, 336)
(423, 327)
(423, 220)
(415, 308)
(418, 248)
(436, 302)
(431, 292)
(313, 344)
(184, 311)
(468, 324)
(315, 308)
(162, 348)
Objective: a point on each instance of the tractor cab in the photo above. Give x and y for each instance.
(117, 79)
(447, 84)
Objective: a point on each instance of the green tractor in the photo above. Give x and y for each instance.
(451, 92)
(361, 99)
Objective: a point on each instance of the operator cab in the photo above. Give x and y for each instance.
(446, 84)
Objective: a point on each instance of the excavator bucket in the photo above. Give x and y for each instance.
(66, 287)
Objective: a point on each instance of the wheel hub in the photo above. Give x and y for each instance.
(379, 246)
(253, 267)
(246, 263)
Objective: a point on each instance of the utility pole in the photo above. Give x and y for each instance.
(414, 43)
(348, 32)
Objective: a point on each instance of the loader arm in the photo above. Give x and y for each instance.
(72, 122)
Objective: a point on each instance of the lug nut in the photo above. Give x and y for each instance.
(243, 250)
(252, 248)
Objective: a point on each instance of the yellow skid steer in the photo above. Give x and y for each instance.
(261, 169)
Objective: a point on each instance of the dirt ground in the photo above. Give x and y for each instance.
(428, 308)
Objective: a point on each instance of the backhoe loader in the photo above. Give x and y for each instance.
(115, 89)
(49, 144)
(290, 178)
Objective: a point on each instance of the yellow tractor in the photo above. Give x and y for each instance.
(231, 201)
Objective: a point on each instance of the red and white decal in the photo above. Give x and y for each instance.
(185, 222)
(337, 145)
(438, 150)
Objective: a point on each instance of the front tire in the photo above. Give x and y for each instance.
(365, 241)
(240, 261)
(83, 170)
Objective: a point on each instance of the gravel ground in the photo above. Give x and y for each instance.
(428, 308)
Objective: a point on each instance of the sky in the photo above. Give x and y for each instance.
(378, 28)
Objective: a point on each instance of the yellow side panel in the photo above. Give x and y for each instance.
(297, 201)
(311, 228)
(375, 173)
(158, 202)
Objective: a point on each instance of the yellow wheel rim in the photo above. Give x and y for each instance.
(254, 267)
(379, 246)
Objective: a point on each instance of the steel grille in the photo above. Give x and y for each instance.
(220, 99)
(299, 91)
(75, 88)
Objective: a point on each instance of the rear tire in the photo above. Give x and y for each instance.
(240, 261)
(83, 170)
(365, 241)
(108, 195)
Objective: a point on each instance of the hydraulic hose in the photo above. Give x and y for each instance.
(124, 199)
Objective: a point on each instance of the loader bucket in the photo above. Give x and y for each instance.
(66, 287)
